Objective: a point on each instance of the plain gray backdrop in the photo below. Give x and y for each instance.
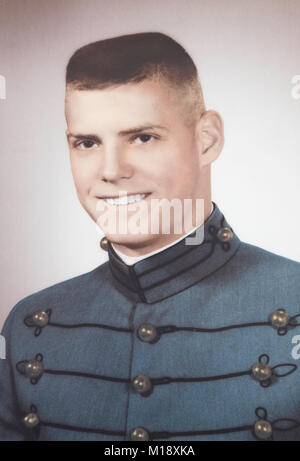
(247, 54)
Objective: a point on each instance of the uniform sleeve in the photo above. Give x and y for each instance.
(11, 425)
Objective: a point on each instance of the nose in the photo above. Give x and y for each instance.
(115, 166)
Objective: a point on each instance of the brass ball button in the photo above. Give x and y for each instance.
(40, 319)
(31, 420)
(263, 429)
(147, 333)
(104, 244)
(34, 369)
(279, 318)
(140, 434)
(261, 371)
(225, 234)
(142, 385)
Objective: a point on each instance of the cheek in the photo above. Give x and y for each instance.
(78, 178)
(163, 176)
(178, 174)
(162, 166)
(83, 173)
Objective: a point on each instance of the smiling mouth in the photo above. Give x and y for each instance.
(126, 199)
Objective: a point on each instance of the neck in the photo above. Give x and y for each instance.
(163, 241)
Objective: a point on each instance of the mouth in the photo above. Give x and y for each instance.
(126, 199)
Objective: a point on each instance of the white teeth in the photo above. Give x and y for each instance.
(125, 200)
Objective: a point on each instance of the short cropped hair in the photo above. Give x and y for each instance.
(133, 58)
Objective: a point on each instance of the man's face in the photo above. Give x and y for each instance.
(131, 138)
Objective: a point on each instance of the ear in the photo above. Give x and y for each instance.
(210, 136)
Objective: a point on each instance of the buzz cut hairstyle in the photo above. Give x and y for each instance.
(136, 57)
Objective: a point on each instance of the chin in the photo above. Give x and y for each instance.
(132, 240)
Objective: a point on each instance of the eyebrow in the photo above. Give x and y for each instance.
(134, 130)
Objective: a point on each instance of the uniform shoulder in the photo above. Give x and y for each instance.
(263, 261)
(68, 292)
(260, 254)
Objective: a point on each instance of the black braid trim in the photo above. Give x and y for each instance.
(87, 375)
(280, 424)
(82, 429)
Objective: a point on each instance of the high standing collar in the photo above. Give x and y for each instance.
(179, 266)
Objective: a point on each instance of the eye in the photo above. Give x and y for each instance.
(142, 138)
(85, 145)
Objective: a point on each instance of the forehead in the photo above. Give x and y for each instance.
(121, 105)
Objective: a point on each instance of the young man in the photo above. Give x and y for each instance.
(173, 338)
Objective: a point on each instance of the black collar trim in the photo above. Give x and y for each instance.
(176, 268)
